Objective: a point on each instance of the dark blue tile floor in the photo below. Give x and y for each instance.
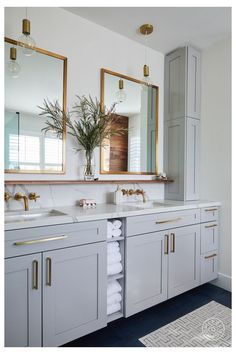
(125, 332)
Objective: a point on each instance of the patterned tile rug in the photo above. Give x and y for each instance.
(208, 326)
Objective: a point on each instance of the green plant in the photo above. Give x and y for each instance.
(90, 128)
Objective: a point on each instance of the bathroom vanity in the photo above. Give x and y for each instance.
(56, 266)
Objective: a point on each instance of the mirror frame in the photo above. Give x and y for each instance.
(64, 100)
(102, 82)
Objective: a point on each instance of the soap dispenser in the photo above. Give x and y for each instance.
(118, 196)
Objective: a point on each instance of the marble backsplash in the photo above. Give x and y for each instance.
(52, 196)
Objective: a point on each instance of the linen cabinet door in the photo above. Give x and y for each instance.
(184, 259)
(146, 271)
(74, 292)
(23, 301)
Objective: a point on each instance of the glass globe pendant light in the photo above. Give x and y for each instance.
(25, 41)
(12, 66)
(121, 94)
(145, 30)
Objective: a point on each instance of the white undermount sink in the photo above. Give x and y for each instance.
(146, 205)
(31, 215)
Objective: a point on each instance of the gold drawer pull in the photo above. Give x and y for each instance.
(211, 256)
(166, 221)
(212, 209)
(208, 226)
(48, 271)
(166, 251)
(172, 243)
(35, 275)
(41, 240)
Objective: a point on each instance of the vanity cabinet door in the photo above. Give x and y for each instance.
(146, 271)
(23, 301)
(74, 292)
(184, 259)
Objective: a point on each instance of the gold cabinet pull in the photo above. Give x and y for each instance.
(172, 243)
(211, 209)
(48, 271)
(41, 240)
(211, 256)
(166, 246)
(208, 226)
(35, 275)
(166, 221)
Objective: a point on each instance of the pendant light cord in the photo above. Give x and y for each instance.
(26, 13)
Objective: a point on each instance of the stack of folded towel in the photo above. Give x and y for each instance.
(114, 265)
(114, 297)
(114, 228)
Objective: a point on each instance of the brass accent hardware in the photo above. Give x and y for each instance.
(35, 275)
(7, 196)
(212, 209)
(166, 221)
(145, 70)
(32, 242)
(26, 27)
(33, 196)
(121, 84)
(147, 28)
(208, 226)
(48, 271)
(13, 53)
(166, 247)
(19, 196)
(135, 192)
(173, 242)
(211, 256)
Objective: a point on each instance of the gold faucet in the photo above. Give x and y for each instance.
(7, 196)
(136, 192)
(19, 196)
(33, 196)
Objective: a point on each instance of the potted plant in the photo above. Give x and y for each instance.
(91, 126)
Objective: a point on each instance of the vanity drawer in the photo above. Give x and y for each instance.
(142, 224)
(209, 214)
(209, 266)
(40, 239)
(209, 236)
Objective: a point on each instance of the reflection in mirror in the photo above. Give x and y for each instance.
(27, 148)
(137, 110)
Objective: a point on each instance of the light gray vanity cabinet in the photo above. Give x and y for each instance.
(146, 271)
(184, 259)
(182, 83)
(74, 293)
(59, 294)
(23, 301)
(182, 123)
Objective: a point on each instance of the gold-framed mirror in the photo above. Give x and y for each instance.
(41, 76)
(135, 152)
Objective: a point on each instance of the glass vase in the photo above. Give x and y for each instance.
(89, 167)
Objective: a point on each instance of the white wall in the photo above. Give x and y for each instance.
(88, 47)
(216, 143)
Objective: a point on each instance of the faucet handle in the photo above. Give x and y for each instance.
(7, 196)
(33, 196)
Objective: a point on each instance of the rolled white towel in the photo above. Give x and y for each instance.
(113, 257)
(114, 268)
(116, 232)
(113, 299)
(113, 287)
(113, 308)
(109, 233)
(110, 225)
(117, 224)
(113, 246)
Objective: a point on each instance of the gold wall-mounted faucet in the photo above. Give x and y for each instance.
(33, 196)
(135, 192)
(19, 196)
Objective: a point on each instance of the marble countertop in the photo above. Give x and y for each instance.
(104, 211)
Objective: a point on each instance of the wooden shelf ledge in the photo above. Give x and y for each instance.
(118, 181)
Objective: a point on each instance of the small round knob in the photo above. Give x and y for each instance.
(7, 196)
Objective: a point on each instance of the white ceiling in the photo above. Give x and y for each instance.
(173, 26)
